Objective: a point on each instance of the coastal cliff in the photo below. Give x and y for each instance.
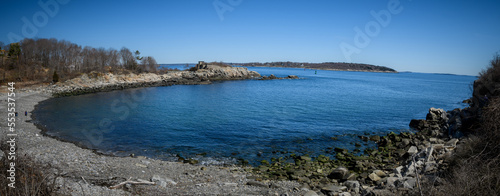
(98, 82)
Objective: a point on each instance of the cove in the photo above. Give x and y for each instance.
(250, 119)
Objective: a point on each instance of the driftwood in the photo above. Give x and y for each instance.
(85, 180)
(129, 181)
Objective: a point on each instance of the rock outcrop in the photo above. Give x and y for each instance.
(273, 77)
(97, 82)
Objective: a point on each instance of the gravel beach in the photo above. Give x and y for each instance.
(82, 172)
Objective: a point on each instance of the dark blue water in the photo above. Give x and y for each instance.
(251, 119)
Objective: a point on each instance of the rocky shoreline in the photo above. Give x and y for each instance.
(99, 82)
(397, 166)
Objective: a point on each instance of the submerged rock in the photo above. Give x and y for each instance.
(273, 77)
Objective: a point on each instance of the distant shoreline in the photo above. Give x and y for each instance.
(326, 69)
(359, 67)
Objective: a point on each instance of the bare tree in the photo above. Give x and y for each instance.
(114, 58)
(37, 59)
(128, 59)
(148, 64)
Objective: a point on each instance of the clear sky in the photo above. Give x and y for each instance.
(445, 36)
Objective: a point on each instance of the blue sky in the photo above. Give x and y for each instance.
(458, 37)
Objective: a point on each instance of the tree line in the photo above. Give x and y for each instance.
(326, 65)
(40, 59)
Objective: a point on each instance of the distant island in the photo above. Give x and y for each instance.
(324, 66)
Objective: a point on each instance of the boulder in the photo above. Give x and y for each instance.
(453, 142)
(391, 181)
(341, 150)
(350, 176)
(407, 182)
(413, 150)
(406, 141)
(418, 124)
(430, 166)
(375, 138)
(305, 158)
(339, 173)
(345, 194)
(374, 177)
(398, 171)
(438, 115)
(311, 193)
(332, 189)
(353, 185)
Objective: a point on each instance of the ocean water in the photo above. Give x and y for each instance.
(251, 119)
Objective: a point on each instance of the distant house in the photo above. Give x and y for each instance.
(201, 65)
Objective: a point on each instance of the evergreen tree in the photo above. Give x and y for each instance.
(55, 77)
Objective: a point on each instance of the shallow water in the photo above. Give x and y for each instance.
(251, 119)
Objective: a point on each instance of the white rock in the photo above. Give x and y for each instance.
(413, 150)
(374, 177)
(311, 193)
(230, 184)
(140, 165)
(398, 171)
(162, 181)
(380, 173)
(391, 181)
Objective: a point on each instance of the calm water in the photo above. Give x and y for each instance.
(250, 119)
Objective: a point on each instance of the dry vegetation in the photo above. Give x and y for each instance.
(29, 178)
(475, 167)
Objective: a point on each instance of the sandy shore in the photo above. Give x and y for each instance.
(83, 172)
